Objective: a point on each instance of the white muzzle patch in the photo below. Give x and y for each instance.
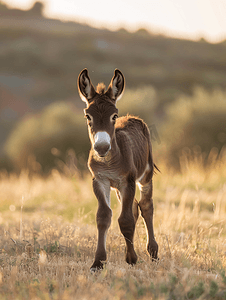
(102, 142)
(102, 137)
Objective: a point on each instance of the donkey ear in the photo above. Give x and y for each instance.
(116, 87)
(85, 87)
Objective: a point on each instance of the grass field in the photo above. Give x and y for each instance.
(48, 238)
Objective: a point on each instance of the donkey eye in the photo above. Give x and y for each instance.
(114, 117)
(88, 117)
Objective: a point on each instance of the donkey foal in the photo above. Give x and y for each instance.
(120, 156)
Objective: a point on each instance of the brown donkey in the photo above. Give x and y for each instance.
(120, 156)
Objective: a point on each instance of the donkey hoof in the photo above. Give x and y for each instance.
(131, 259)
(97, 266)
(153, 250)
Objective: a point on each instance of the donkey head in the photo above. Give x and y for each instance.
(101, 112)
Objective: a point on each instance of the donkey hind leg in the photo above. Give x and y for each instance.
(127, 220)
(146, 207)
(103, 218)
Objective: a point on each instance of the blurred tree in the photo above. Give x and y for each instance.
(198, 120)
(41, 142)
(37, 9)
(3, 7)
(143, 32)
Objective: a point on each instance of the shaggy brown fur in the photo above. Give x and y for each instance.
(120, 156)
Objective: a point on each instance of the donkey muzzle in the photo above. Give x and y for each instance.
(102, 143)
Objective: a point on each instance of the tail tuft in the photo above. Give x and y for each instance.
(156, 168)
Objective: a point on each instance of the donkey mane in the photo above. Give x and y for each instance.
(129, 121)
(100, 89)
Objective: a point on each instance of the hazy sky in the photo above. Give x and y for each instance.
(181, 18)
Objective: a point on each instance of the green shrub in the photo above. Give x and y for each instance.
(198, 120)
(196, 291)
(41, 141)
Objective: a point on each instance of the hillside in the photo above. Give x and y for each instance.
(53, 53)
(41, 58)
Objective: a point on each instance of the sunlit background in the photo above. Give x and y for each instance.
(172, 54)
(187, 19)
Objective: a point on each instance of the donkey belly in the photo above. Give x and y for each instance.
(147, 169)
(134, 146)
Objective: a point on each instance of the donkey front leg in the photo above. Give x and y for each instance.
(127, 220)
(103, 218)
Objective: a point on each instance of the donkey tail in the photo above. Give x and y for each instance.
(150, 158)
(156, 169)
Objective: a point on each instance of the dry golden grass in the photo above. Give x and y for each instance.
(48, 238)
